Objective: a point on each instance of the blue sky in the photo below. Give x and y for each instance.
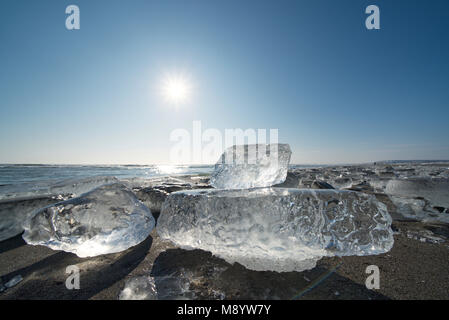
(337, 92)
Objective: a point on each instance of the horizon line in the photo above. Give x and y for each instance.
(212, 164)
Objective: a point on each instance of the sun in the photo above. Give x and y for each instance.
(177, 89)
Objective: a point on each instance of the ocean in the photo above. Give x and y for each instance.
(18, 174)
(11, 174)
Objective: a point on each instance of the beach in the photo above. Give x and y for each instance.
(411, 270)
(415, 268)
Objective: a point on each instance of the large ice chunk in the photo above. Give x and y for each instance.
(19, 201)
(277, 229)
(105, 220)
(249, 166)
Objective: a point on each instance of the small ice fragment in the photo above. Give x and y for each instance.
(170, 287)
(139, 288)
(14, 281)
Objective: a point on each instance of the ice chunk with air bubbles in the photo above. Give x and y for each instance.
(249, 166)
(105, 220)
(277, 229)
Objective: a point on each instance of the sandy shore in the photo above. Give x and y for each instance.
(417, 267)
(413, 269)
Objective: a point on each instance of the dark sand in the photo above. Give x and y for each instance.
(413, 269)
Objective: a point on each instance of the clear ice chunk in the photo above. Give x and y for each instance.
(277, 229)
(105, 220)
(249, 166)
(19, 201)
(170, 287)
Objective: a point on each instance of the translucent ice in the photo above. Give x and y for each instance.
(139, 288)
(13, 213)
(249, 166)
(105, 220)
(420, 198)
(14, 281)
(276, 228)
(436, 190)
(19, 201)
(170, 287)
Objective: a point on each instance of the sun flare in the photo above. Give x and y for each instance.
(177, 89)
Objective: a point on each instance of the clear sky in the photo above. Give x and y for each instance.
(336, 91)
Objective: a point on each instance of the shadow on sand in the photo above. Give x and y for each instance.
(213, 278)
(46, 279)
(12, 243)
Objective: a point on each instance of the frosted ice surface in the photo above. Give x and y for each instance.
(105, 220)
(277, 229)
(248, 166)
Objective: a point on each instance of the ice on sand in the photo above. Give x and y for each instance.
(436, 190)
(276, 228)
(19, 201)
(420, 198)
(105, 220)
